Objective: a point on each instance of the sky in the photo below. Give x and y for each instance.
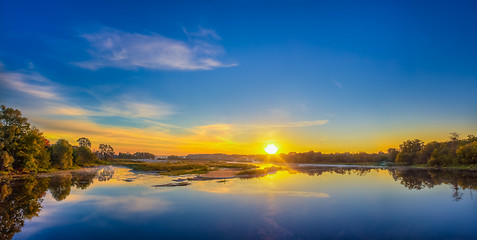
(180, 77)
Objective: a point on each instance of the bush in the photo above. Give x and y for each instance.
(467, 154)
(62, 154)
(83, 156)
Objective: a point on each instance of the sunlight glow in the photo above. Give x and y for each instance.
(271, 149)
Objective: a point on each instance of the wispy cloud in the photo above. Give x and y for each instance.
(136, 109)
(224, 131)
(113, 48)
(32, 84)
(40, 97)
(203, 32)
(338, 84)
(120, 108)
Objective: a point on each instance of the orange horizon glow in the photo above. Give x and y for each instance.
(219, 139)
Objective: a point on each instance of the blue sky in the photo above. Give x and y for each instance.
(186, 77)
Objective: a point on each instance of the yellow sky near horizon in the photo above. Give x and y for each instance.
(224, 138)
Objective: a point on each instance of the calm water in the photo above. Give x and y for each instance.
(312, 203)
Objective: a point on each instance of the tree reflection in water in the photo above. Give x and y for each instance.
(21, 198)
(105, 174)
(458, 180)
(412, 178)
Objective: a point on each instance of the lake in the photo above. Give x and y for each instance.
(310, 202)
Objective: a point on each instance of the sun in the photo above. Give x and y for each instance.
(271, 149)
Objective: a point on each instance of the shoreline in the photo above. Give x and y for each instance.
(227, 173)
(49, 173)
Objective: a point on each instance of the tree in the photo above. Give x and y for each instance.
(106, 151)
(62, 154)
(454, 136)
(83, 156)
(6, 161)
(427, 151)
(84, 142)
(136, 155)
(467, 154)
(441, 156)
(392, 154)
(22, 147)
(409, 151)
(32, 153)
(454, 144)
(470, 138)
(13, 127)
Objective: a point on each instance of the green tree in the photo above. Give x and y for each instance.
(427, 151)
(84, 142)
(32, 153)
(467, 154)
(409, 151)
(13, 127)
(62, 154)
(6, 161)
(44, 158)
(83, 156)
(22, 147)
(441, 156)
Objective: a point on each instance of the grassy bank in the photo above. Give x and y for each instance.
(457, 167)
(392, 164)
(53, 169)
(181, 167)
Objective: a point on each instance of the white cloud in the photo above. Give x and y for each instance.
(203, 32)
(113, 48)
(40, 97)
(32, 84)
(135, 109)
(122, 108)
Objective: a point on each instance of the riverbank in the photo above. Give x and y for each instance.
(49, 173)
(174, 168)
(222, 169)
(383, 164)
(52, 170)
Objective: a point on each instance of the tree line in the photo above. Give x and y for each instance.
(456, 151)
(319, 157)
(136, 155)
(23, 148)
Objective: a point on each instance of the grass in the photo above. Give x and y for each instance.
(180, 167)
(457, 167)
(425, 165)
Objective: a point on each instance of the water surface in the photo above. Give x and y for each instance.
(311, 203)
